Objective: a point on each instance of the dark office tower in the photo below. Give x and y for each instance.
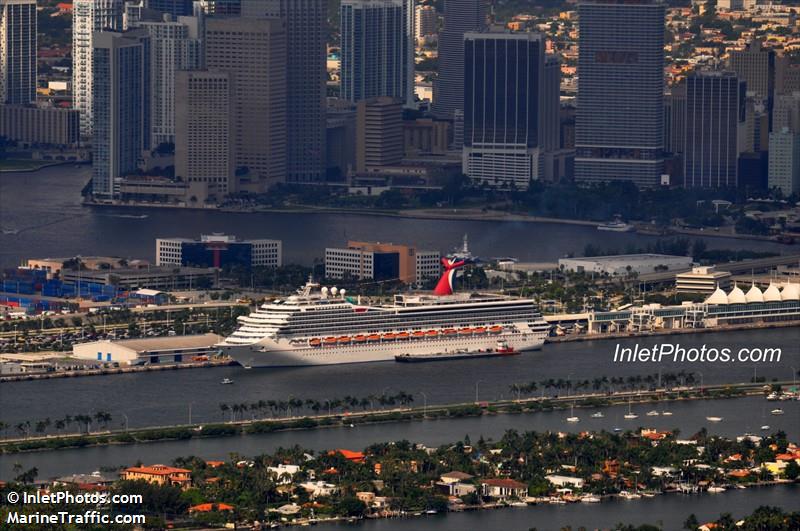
(253, 53)
(460, 17)
(306, 81)
(551, 103)
(619, 123)
(675, 119)
(17, 51)
(504, 75)
(176, 8)
(715, 108)
(374, 49)
(120, 100)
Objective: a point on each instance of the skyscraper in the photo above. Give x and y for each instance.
(176, 8)
(120, 107)
(460, 17)
(503, 122)
(374, 49)
(204, 134)
(174, 45)
(784, 145)
(89, 17)
(379, 133)
(619, 122)
(756, 67)
(306, 81)
(675, 119)
(715, 110)
(253, 52)
(17, 51)
(426, 21)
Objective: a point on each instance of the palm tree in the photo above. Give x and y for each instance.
(224, 408)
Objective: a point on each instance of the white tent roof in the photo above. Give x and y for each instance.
(754, 294)
(736, 296)
(771, 294)
(790, 292)
(718, 297)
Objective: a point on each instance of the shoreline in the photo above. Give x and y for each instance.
(47, 164)
(337, 420)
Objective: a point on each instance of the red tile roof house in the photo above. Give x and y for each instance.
(503, 488)
(159, 474)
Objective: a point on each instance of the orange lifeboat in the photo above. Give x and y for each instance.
(373, 337)
(496, 329)
(360, 339)
(465, 331)
(343, 339)
(403, 335)
(389, 336)
(449, 332)
(480, 330)
(315, 342)
(432, 333)
(330, 340)
(418, 334)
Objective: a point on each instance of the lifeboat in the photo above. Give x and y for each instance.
(343, 339)
(418, 334)
(315, 342)
(480, 330)
(373, 337)
(403, 335)
(432, 333)
(360, 339)
(496, 329)
(330, 340)
(389, 336)
(465, 331)
(448, 332)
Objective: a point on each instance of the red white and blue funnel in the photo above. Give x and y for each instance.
(445, 284)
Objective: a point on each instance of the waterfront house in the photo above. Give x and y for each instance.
(317, 489)
(456, 488)
(355, 457)
(501, 489)
(564, 481)
(455, 477)
(282, 473)
(93, 481)
(366, 497)
(209, 507)
(159, 474)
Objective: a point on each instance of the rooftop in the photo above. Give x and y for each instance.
(166, 343)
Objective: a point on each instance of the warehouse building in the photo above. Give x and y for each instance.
(624, 264)
(173, 349)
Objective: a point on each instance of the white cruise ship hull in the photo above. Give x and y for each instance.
(283, 353)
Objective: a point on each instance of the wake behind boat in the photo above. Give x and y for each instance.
(318, 326)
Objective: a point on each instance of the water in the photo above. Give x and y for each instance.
(669, 512)
(739, 416)
(45, 208)
(164, 397)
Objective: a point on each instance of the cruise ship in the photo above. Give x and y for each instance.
(321, 326)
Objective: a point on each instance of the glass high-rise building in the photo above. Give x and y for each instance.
(374, 49)
(620, 105)
(17, 51)
(503, 99)
(460, 17)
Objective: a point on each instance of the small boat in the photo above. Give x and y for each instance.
(630, 415)
(648, 495)
(714, 419)
(418, 334)
(653, 413)
(625, 495)
(448, 332)
(480, 330)
(616, 226)
(519, 504)
(666, 413)
(330, 340)
(343, 339)
(777, 411)
(226, 381)
(431, 511)
(765, 427)
(389, 336)
(715, 489)
(597, 415)
(504, 348)
(572, 418)
(617, 430)
(590, 499)
(772, 397)
(432, 333)
(360, 339)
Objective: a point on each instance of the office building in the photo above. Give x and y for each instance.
(341, 139)
(784, 161)
(460, 17)
(120, 107)
(17, 51)
(88, 18)
(379, 133)
(218, 250)
(174, 45)
(205, 134)
(620, 103)
(306, 79)
(675, 119)
(37, 125)
(176, 8)
(374, 49)
(715, 111)
(425, 136)
(551, 103)
(755, 66)
(253, 52)
(504, 92)
(381, 261)
(426, 21)
(702, 279)
(786, 112)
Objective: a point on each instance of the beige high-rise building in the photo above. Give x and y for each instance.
(253, 53)
(379, 133)
(204, 134)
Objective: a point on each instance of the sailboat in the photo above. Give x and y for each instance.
(630, 414)
(572, 418)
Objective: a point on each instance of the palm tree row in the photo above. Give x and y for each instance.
(604, 383)
(41, 427)
(295, 406)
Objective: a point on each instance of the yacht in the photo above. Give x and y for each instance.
(714, 419)
(321, 326)
(653, 413)
(598, 415)
(616, 226)
(777, 411)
